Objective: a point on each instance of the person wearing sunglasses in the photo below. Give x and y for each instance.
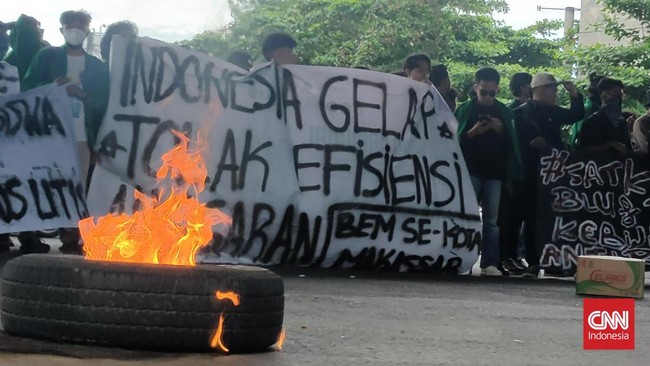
(487, 140)
(538, 124)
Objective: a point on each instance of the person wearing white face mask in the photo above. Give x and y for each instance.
(87, 83)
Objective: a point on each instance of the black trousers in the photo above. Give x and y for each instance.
(529, 201)
(511, 217)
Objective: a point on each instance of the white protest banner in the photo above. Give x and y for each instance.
(319, 166)
(9, 81)
(40, 181)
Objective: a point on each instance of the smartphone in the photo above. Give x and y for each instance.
(483, 117)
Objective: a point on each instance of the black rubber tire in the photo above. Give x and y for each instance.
(69, 299)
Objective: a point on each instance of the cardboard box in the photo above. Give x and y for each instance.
(610, 276)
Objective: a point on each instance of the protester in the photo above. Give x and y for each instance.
(592, 105)
(511, 209)
(606, 130)
(26, 39)
(30, 242)
(538, 124)
(487, 139)
(123, 28)
(641, 131)
(520, 88)
(88, 83)
(417, 67)
(439, 77)
(278, 47)
(241, 59)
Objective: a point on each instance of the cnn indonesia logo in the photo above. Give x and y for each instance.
(608, 324)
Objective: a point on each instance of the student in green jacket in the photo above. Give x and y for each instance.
(487, 139)
(511, 215)
(26, 39)
(520, 89)
(87, 82)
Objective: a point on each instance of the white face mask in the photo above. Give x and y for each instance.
(74, 37)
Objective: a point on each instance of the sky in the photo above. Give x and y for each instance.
(174, 20)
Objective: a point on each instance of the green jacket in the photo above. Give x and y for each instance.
(514, 170)
(52, 62)
(514, 104)
(25, 41)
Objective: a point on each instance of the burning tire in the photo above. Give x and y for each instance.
(63, 298)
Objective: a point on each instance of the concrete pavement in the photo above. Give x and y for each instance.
(367, 318)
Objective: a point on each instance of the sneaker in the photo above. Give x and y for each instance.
(491, 271)
(511, 266)
(521, 263)
(532, 271)
(504, 272)
(558, 272)
(75, 249)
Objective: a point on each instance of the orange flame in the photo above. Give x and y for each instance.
(163, 231)
(233, 297)
(217, 342)
(281, 338)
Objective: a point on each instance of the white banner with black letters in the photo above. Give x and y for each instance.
(9, 81)
(40, 181)
(319, 166)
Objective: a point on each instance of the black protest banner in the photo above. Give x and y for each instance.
(592, 204)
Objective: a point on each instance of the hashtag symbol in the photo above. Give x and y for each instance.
(553, 166)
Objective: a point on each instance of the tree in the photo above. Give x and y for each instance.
(631, 62)
(380, 34)
(462, 34)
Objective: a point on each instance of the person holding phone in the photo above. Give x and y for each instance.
(487, 140)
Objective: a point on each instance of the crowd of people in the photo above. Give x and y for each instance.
(87, 82)
(501, 143)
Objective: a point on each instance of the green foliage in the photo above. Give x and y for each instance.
(462, 34)
(638, 10)
(629, 63)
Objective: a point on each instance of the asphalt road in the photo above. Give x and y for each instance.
(365, 318)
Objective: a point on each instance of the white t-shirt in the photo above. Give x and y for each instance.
(76, 65)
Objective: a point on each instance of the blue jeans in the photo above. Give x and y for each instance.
(488, 193)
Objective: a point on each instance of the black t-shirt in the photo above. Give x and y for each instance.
(599, 129)
(485, 154)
